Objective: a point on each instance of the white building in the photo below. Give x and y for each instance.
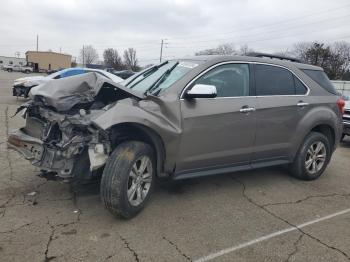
(342, 86)
(7, 60)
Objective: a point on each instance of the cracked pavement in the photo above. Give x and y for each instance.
(184, 221)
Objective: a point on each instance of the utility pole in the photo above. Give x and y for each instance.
(162, 43)
(37, 43)
(60, 49)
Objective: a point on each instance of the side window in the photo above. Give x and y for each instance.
(300, 89)
(72, 73)
(230, 80)
(272, 80)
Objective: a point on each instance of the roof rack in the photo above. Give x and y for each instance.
(292, 59)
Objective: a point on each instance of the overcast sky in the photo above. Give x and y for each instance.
(188, 25)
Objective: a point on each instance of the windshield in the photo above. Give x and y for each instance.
(158, 78)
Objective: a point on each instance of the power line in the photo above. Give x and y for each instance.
(153, 42)
(264, 25)
(267, 32)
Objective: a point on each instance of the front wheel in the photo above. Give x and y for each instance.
(128, 179)
(312, 158)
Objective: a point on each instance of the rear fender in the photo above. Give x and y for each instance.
(315, 117)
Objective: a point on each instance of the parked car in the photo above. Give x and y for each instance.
(346, 119)
(18, 68)
(122, 73)
(22, 86)
(181, 119)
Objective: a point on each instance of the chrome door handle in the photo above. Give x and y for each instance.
(247, 109)
(301, 104)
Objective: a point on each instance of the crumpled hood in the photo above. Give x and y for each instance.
(65, 93)
(29, 78)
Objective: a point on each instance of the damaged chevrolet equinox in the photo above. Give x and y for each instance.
(181, 119)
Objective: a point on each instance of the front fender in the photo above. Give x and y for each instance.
(146, 113)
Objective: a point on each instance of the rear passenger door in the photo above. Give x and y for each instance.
(281, 104)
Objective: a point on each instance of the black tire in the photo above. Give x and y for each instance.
(116, 178)
(9, 70)
(26, 71)
(298, 167)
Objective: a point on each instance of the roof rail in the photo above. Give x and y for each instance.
(292, 59)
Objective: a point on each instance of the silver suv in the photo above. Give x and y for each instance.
(181, 119)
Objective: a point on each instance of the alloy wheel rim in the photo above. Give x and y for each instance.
(140, 179)
(315, 157)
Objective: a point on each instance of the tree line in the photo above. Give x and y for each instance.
(334, 58)
(111, 58)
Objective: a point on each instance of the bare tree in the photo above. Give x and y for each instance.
(299, 50)
(339, 61)
(244, 50)
(334, 58)
(224, 49)
(112, 59)
(130, 59)
(88, 55)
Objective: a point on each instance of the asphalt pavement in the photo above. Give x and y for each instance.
(260, 215)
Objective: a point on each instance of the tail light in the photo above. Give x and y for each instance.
(341, 105)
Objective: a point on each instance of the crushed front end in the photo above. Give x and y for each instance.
(60, 134)
(55, 141)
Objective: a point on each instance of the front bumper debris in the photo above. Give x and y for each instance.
(39, 154)
(30, 147)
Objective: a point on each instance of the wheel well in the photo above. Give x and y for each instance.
(132, 131)
(326, 130)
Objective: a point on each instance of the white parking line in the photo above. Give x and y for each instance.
(266, 237)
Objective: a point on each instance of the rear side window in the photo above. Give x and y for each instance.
(272, 80)
(321, 78)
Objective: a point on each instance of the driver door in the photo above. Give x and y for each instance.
(216, 131)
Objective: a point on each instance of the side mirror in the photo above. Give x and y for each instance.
(201, 91)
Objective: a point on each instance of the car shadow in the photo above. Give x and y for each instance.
(178, 187)
(346, 142)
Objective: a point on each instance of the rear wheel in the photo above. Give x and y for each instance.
(128, 179)
(312, 158)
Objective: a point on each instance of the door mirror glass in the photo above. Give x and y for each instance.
(201, 91)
